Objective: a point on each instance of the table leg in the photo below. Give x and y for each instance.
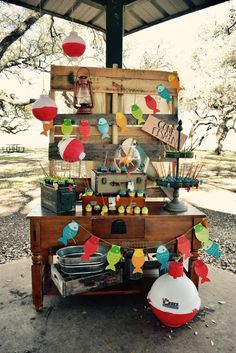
(194, 250)
(37, 281)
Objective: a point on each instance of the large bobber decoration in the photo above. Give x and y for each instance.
(71, 150)
(73, 45)
(173, 297)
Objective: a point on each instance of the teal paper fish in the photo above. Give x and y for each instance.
(137, 113)
(67, 128)
(113, 257)
(163, 256)
(103, 128)
(164, 93)
(69, 232)
(212, 249)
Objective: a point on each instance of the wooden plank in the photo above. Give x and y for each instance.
(170, 119)
(98, 151)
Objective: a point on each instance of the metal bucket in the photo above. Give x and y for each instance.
(71, 256)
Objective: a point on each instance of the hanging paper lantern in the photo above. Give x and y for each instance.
(73, 45)
(71, 150)
(173, 297)
(44, 108)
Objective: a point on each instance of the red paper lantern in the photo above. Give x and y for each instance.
(173, 297)
(71, 150)
(73, 45)
(44, 108)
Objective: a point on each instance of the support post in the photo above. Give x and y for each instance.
(114, 33)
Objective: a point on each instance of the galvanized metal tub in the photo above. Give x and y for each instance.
(71, 256)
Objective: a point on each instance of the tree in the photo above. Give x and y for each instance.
(31, 41)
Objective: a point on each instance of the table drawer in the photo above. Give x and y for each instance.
(119, 228)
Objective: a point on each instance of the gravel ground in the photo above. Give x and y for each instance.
(14, 238)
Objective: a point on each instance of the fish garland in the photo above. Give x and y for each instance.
(137, 113)
(84, 130)
(47, 125)
(201, 233)
(90, 247)
(184, 246)
(69, 232)
(164, 93)
(163, 256)
(201, 270)
(103, 128)
(212, 249)
(113, 257)
(138, 260)
(174, 82)
(151, 104)
(121, 121)
(67, 128)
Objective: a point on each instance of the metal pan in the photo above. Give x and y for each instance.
(71, 256)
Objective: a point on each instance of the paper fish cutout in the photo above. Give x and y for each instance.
(164, 93)
(67, 128)
(84, 129)
(174, 81)
(138, 260)
(137, 113)
(212, 249)
(121, 121)
(151, 104)
(103, 128)
(90, 247)
(184, 246)
(205, 223)
(201, 270)
(201, 232)
(113, 257)
(46, 127)
(69, 232)
(163, 256)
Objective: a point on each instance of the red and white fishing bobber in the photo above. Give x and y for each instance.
(73, 45)
(173, 297)
(71, 150)
(44, 108)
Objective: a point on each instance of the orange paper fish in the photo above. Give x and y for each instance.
(138, 260)
(121, 121)
(46, 127)
(174, 81)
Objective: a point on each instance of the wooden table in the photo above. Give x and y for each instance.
(158, 227)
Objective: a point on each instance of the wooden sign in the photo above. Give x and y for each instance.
(162, 131)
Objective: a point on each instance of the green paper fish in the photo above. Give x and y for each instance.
(137, 113)
(202, 233)
(67, 128)
(113, 257)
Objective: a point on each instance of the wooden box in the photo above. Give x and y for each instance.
(60, 201)
(69, 285)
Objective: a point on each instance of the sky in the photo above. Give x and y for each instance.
(181, 33)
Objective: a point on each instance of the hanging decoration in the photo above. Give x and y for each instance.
(202, 233)
(73, 45)
(71, 150)
(67, 128)
(137, 113)
(83, 99)
(84, 130)
(103, 128)
(184, 246)
(174, 81)
(163, 256)
(201, 270)
(164, 93)
(151, 104)
(69, 232)
(212, 248)
(173, 297)
(121, 121)
(45, 110)
(138, 260)
(90, 247)
(113, 257)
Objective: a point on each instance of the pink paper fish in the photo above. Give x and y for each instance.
(151, 104)
(84, 129)
(184, 246)
(201, 270)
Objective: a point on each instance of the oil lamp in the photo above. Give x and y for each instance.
(83, 94)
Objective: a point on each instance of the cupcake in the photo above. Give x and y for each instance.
(136, 210)
(88, 192)
(144, 210)
(97, 209)
(112, 169)
(123, 169)
(121, 209)
(88, 208)
(129, 210)
(104, 168)
(122, 192)
(140, 193)
(131, 193)
(112, 209)
(104, 209)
